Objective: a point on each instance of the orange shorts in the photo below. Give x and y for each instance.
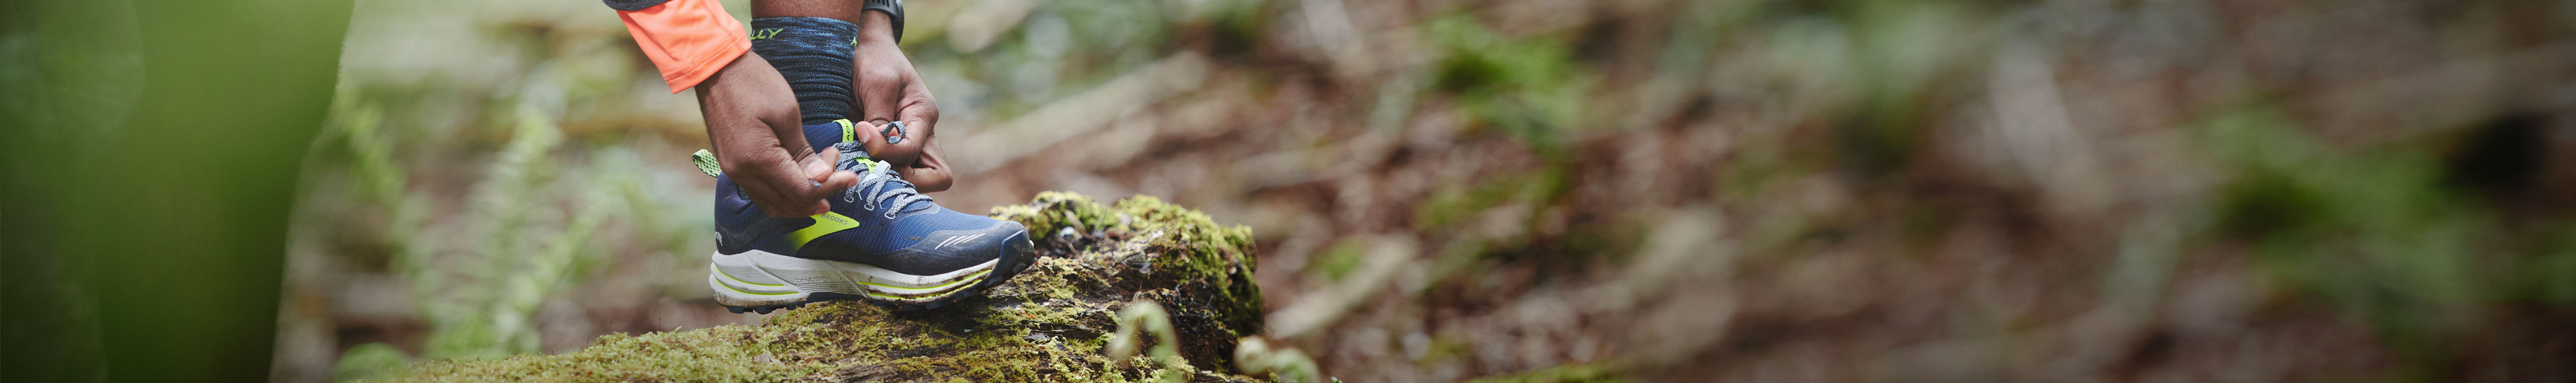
(689, 40)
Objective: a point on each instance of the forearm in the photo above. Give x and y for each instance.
(688, 40)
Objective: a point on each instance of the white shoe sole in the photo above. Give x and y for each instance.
(762, 280)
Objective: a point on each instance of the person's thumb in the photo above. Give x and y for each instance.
(819, 165)
(826, 179)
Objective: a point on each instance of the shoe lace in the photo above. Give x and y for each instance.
(878, 183)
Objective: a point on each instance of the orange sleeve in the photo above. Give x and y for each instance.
(687, 39)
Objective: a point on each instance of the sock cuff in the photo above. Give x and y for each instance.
(805, 31)
(815, 54)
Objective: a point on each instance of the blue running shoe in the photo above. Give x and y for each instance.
(882, 242)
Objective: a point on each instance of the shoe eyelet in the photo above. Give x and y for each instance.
(889, 214)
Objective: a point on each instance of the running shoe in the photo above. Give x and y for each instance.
(882, 242)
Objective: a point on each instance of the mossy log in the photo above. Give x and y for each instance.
(1050, 323)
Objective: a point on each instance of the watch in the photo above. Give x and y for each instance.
(893, 10)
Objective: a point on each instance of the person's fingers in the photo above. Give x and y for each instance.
(789, 130)
(930, 173)
(758, 191)
(790, 184)
(819, 206)
(883, 150)
(819, 165)
(828, 180)
(869, 141)
(794, 143)
(839, 181)
(879, 89)
(780, 192)
(866, 139)
(926, 180)
(811, 196)
(920, 115)
(808, 190)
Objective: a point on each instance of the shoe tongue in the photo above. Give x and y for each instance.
(856, 160)
(853, 158)
(825, 135)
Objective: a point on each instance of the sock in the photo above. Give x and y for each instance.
(815, 54)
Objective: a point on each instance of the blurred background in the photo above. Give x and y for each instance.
(1816, 190)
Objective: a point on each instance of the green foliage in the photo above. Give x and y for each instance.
(489, 310)
(480, 297)
(1239, 24)
(1898, 51)
(2377, 232)
(1255, 356)
(2550, 279)
(149, 150)
(1139, 319)
(1527, 87)
(1453, 206)
(1338, 260)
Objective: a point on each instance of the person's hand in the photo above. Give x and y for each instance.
(888, 90)
(752, 120)
(930, 173)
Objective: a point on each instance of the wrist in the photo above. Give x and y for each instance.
(882, 16)
(728, 69)
(876, 27)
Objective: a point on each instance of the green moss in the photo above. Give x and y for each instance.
(1049, 323)
(729, 353)
(369, 361)
(1192, 255)
(1565, 373)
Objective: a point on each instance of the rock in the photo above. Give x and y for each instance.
(1050, 323)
